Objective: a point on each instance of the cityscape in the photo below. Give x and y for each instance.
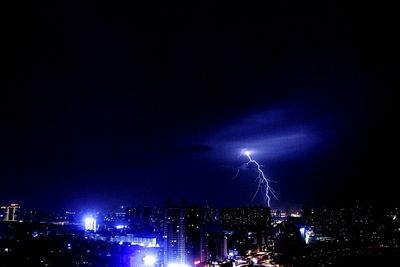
(191, 235)
(199, 134)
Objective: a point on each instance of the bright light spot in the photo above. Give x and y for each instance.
(246, 152)
(120, 226)
(196, 262)
(307, 238)
(302, 231)
(90, 223)
(254, 260)
(120, 242)
(149, 260)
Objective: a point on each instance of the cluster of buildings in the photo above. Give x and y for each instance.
(187, 235)
(352, 232)
(182, 235)
(176, 235)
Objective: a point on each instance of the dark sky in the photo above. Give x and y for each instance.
(108, 103)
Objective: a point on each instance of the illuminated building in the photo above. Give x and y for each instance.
(196, 246)
(12, 213)
(132, 239)
(90, 224)
(3, 213)
(174, 236)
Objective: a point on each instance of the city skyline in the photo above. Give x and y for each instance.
(110, 104)
(191, 235)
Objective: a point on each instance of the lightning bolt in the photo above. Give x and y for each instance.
(263, 181)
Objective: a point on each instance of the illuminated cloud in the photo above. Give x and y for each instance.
(272, 134)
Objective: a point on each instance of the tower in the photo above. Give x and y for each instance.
(195, 234)
(174, 236)
(12, 212)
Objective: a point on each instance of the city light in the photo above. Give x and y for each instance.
(177, 265)
(307, 237)
(149, 260)
(302, 231)
(90, 224)
(305, 234)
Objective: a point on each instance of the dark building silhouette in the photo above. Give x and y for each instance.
(196, 246)
(249, 227)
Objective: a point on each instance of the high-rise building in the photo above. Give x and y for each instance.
(3, 213)
(196, 241)
(90, 224)
(12, 212)
(217, 246)
(174, 236)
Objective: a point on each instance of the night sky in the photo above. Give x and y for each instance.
(108, 103)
